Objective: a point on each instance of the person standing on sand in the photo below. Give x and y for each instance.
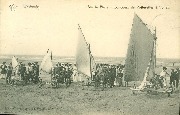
(118, 75)
(29, 72)
(177, 75)
(172, 77)
(9, 73)
(112, 74)
(163, 75)
(3, 70)
(22, 72)
(36, 71)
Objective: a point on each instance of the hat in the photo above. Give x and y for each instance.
(164, 68)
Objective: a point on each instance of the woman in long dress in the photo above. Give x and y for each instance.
(163, 75)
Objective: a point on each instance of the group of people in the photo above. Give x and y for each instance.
(103, 74)
(62, 73)
(161, 80)
(21, 72)
(108, 75)
(174, 77)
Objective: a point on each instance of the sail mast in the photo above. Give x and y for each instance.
(90, 61)
(51, 68)
(155, 38)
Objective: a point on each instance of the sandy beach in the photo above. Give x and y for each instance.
(32, 99)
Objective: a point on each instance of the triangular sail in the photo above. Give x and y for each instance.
(14, 62)
(84, 58)
(15, 66)
(140, 50)
(46, 64)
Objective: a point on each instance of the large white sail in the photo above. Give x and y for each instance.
(140, 51)
(15, 66)
(46, 64)
(83, 55)
(14, 62)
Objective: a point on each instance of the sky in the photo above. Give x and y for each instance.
(54, 25)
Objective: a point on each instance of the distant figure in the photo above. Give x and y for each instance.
(163, 75)
(173, 63)
(47, 50)
(3, 70)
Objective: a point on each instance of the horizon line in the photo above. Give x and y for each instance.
(75, 56)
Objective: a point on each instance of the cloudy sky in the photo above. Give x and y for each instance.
(54, 25)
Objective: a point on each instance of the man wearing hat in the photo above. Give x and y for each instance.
(3, 70)
(177, 75)
(9, 73)
(172, 77)
(29, 71)
(22, 72)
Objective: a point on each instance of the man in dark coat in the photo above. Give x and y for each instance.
(30, 72)
(9, 73)
(172, 77)
(112, 75)
(36, 73)
(177, 75)
(3, 70)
